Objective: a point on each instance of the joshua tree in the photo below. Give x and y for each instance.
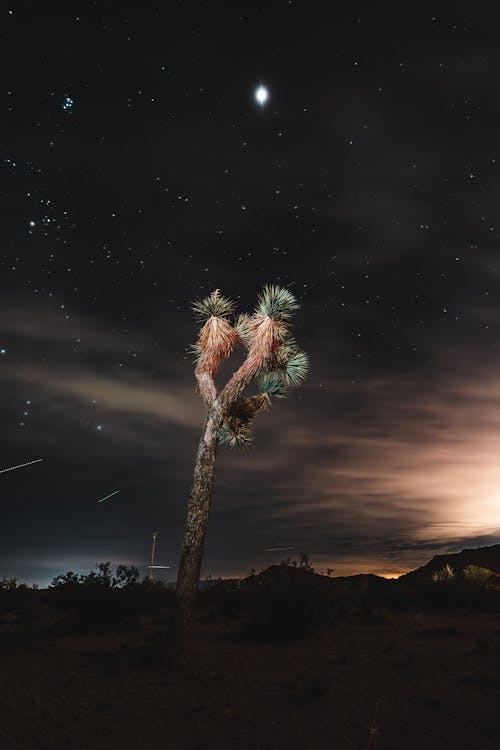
(275, 361)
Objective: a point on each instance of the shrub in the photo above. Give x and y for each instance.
(98, 599)
(222, 600)
(445, 575)
(477, 575)
(285, 603)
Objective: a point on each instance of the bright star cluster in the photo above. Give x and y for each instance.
(67, 104)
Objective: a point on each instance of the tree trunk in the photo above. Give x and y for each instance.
(196, 526)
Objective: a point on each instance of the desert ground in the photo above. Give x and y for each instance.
(398, 681)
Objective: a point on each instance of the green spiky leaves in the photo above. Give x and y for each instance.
(276, 302)
(288, 369)
(273, 385)
(295, 369)
(214, 305)
(244, 329)
(235, 431)
(235, 435)
(290, 363)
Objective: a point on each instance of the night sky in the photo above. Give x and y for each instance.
(138, 172)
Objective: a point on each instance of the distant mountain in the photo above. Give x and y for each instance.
(487, 557)
(369, 580)
(288, 575)
(284, 575)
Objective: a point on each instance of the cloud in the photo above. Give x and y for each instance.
(127, 395)
(406, 475)
(131, 391)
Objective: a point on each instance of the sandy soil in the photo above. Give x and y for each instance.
(428, 682)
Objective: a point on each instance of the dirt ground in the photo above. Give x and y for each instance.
(410, 681)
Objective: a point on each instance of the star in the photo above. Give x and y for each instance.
(261, 95)
(67, 104)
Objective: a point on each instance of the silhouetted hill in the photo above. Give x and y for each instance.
(369, 580)
(284, 575)
(488, 557)
(289, 575)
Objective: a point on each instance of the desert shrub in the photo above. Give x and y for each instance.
(466, 590)
(25, 617)
(446, 574)
(11, 584)
(285, 603)
(101, 600)
(223, 600)
(18, 600)
(126, 577)
(477, 575)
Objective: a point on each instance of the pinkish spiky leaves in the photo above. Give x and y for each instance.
(216, 341)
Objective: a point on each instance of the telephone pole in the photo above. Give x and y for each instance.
(153, 547)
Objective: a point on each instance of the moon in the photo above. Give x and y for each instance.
(261, 95)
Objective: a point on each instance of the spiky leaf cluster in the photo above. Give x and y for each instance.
(295, 369)
(235, 431)
(235, 435)
(216, 340)
(477, 574)
(267, 335)
(243, 328)
(287, 349)
(445, 574)
(246, 409)
(273, 385)
(290, 363)
(214, 305)
(276, 302)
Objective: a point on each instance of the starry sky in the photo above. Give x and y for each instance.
(139, 172)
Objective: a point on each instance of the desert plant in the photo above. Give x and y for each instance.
(100, 599)
(286, 602)
(477, 575)
(102, 578)
(68, 579)
(273, 358)
(444, 574)
(11, 584)
(126, 577)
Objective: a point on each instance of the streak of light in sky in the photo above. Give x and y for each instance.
(20, 465)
